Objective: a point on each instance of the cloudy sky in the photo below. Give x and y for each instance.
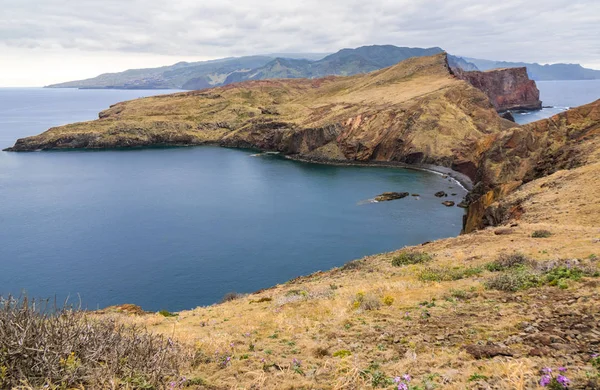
(48, 41)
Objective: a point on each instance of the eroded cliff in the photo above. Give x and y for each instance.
(507, 88)
(522, 154)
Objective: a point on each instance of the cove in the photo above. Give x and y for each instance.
(177, 228)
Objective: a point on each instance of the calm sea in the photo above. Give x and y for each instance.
(178, 228)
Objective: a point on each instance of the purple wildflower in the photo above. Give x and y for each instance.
(545, 381)
(563, 380)
(595, 355)
(406, 377)
(397, 379)
(402, 386)
(562, 369)
(547, 370)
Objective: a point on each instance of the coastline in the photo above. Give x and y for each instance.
(457, 177)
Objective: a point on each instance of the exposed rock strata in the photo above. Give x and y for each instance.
(522, 154)
(508, 88)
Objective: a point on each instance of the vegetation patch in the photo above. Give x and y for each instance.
(364, 301)
(342, 353)
(406, 258)
(508, 260)
(166, 313)
(231, 296)
(514, 280)
(542, 233)
(43, 346)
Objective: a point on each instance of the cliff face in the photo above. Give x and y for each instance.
(508, 88)
(413, 112)
(522, 154)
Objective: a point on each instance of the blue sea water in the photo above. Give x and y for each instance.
(560, 95)
(177, 228)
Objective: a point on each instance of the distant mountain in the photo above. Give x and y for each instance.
(345, 62)
(541, 72)
(206, 74)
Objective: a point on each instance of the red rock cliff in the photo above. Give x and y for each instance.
(508, 89)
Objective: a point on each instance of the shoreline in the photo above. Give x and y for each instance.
(462, 180)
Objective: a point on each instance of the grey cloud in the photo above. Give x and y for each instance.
(542, 31)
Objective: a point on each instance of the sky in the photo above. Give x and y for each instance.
(50, 41)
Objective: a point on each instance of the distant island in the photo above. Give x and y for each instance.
(346, 62)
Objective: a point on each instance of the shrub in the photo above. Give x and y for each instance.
(230, 296)
(388, 300)
(353, 265)
(166, 313)
(68, 348)
(444, 274)
(364, 301)
(406, 258)
(542, 233)
(514, 280)
(505, 261)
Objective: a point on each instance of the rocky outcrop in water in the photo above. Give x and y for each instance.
(508, 88)
(386, 196)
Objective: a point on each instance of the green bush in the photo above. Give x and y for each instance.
(542, 233)
(166, 313)
(505, 261)
(406, 258)
(558, 274)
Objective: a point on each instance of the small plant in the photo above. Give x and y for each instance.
(542, 233)
(376, 376)
(342, 353)
(595, 361)
(388, 300)
(166, 313)
(297, 366)
(554, 383)
(402, 382)
(477, 377)
(506, 261)
(406, 258)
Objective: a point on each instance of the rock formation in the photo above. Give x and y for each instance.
(414, 112)
(507, 88)
(522, 154)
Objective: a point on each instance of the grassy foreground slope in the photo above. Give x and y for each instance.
(489, 309)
